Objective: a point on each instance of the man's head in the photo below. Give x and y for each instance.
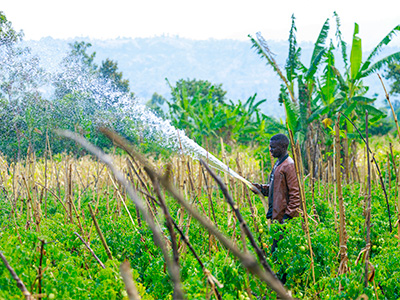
(278, 146)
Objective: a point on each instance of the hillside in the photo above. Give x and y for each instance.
(146, 62)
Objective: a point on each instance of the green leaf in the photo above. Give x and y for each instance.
(356, 54)
(291, 115)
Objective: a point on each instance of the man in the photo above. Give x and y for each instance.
(283, 189)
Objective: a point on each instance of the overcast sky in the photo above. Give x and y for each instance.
(219, 19)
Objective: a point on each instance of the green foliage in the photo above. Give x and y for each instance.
(155, 104)
(393, 74)
(207, 120)
(322, 89)
(8, 35)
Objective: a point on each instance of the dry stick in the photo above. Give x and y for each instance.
(125, 206)
(389, 173)
(303, 201)
(343, 267)
(368, 212)
(40, 266)
(246, 192)
(210, 203)
(246, 259)
(391, 107)
(168, 218)
(398, 136)
(211, 279)
(126, 274)
(133, 184)
(150, 204)
(394, 164)
(90, 250)
(398, 212)
(14, 275)
(379, 171)
(103, 240)
(157, 235)
(242, 222)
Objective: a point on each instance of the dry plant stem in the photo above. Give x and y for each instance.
(170, 225)
(131, 167)
(246, 259)
(343, 268)
(394, 164)
(391, 107)
(377, 167)
(103, 240)
(242, 222)
(246, 192)
(210, 203)
(123, 202)
(14, 275)
(157, 235)
(40, 266)
(398, 212)
(168, 218)
(126, 274)
(186, 241)
(90, 250)
(303, 201)
(368, 212)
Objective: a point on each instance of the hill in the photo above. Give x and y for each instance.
(147, 62)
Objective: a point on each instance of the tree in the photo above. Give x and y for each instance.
(8, 36)
(202, 88)
(22, 109)
(206, 120)
(155, 104)
(393, 74)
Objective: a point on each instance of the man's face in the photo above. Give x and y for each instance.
(276, 149)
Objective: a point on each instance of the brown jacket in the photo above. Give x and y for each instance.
(286, 191)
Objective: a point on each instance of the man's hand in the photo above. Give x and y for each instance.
(263, 188)
(258, 186)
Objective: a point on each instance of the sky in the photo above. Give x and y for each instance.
(217, 19)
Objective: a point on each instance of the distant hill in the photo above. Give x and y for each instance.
(146, 62)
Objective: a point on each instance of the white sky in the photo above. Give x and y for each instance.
(219, 19)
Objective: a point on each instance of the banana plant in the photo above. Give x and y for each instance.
(351, 95)
(302, 107)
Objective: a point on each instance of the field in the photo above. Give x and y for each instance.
(68, 223)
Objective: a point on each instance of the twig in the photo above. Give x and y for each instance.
(14, 275)
(91, 251)
(157, 235)
(246, 259)
(377, 167)
(103, 240)
(126, 274)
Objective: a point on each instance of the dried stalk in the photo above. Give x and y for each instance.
(368, 211)
(103, 240)
(157, 235)
(303, 201)
(126, 274)
(242, 222)
(248, 261)
(14, 275)
(168, 217)
(343, 268)
(378, 169)
(90, 250)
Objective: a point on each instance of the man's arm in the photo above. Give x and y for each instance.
(294, 192)
(263, 188)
